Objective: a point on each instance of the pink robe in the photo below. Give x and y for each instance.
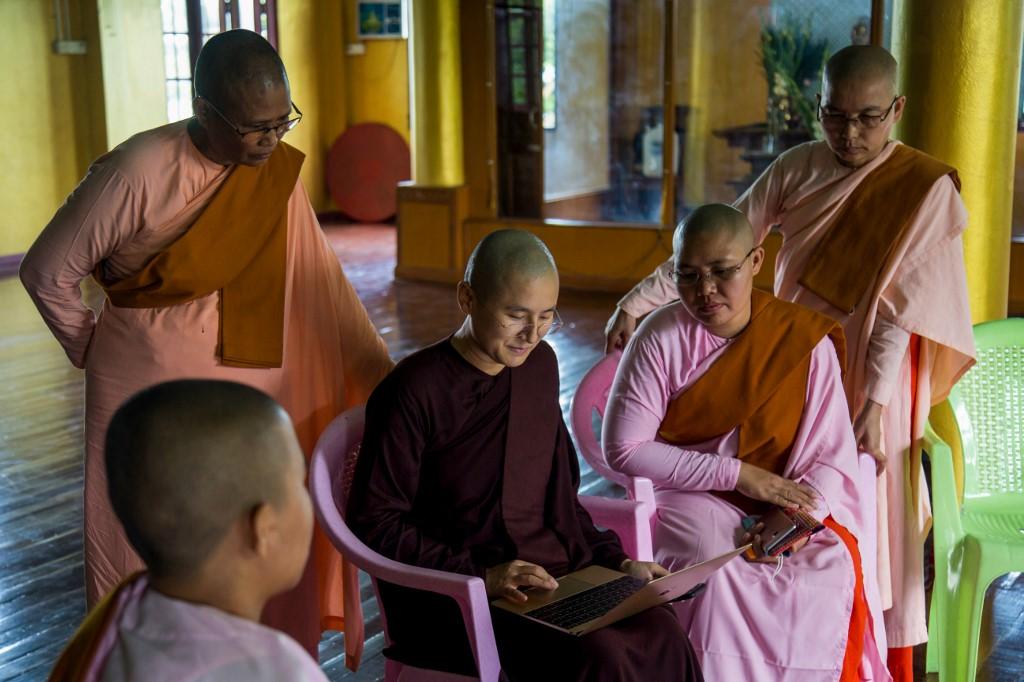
(135, 201)
(161, 639)
(922, 290)
(749, 624)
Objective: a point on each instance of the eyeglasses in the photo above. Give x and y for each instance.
(517, 326)
(838, 121)
(255, 135)
(716, 276)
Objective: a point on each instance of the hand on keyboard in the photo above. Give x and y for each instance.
(504, 580)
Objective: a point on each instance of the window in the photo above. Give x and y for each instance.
(549, 66)
(188, 24)
(583, 88)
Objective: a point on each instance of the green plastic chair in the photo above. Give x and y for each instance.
(982, 538)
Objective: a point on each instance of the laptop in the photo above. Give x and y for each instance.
(595, 596)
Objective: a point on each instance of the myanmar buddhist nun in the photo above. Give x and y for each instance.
(731, 401)
(214, 266)
(208, 481)
(466, 466)
(871, 234)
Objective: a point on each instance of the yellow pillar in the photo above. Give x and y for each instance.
(435, 83)
(960, 70)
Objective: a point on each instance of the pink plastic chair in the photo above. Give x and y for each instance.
(592, 396)
(335, 452)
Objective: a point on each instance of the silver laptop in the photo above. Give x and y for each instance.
(594, 597)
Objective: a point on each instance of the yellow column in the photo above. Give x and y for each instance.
(435, 83)
(960, 70)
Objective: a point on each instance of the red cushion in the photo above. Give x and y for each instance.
(364, 167)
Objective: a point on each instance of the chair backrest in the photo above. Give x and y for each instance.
(334, 459)
(591, 397)
(335, 456)
(988, 403)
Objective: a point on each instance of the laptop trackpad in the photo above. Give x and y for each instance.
(569, 585)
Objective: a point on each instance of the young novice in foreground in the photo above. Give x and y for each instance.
(208, 479)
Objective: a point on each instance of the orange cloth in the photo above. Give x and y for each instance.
(901, 659)
(246, 266)
(770, 359)
(78, 660)
(859, 613)
(849, 257)
(901, 664)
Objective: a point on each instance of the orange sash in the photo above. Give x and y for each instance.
(238, 246)
(759, 384)
(84, 656)
(847, 260)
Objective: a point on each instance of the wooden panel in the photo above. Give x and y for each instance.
(581, 207)
(425, 235)
(479, 111)
(1016, 292)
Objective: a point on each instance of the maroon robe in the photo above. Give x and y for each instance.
(461, 471)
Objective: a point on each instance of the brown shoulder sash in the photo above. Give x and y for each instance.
(238, 246)
(759, 384)
(848, 259)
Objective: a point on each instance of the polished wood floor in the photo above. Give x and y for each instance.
(41, 595)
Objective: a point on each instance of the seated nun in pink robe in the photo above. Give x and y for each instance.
(732, 402)
(208, 479)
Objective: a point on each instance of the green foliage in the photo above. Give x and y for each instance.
(792, 62)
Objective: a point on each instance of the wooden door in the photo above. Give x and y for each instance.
(518, 25)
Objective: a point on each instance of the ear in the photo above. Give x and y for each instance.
(897, 110)
(466, 297)
(263, 529)
(201, 111)
(757, 259)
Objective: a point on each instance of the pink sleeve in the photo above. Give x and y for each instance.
(886, 348)
(824, 454)
(636, 406)
(654, 291)
(762, 202)
(96, 218)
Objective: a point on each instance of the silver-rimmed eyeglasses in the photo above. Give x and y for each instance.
(516, 326)
(692, 278)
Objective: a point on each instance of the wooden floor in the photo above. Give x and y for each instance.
(41, 594)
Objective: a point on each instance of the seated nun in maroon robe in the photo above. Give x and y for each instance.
(467, 466)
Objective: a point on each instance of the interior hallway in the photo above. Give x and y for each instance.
(41, 407)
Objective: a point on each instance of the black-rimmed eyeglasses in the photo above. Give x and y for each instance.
(256, 134)
(833, 120)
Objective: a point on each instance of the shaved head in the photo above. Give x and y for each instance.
(235, 61)
(711, 252)
(856, 65)
(186, 460)
(505, 255)
(713, 220)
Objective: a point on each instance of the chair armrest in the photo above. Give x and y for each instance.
(948, 528)
(630, 520)
(469, 592)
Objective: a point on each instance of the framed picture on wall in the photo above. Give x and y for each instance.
(385, 19)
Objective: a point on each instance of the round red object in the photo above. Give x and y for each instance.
(364, 167)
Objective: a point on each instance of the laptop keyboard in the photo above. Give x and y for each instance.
(588, 605)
